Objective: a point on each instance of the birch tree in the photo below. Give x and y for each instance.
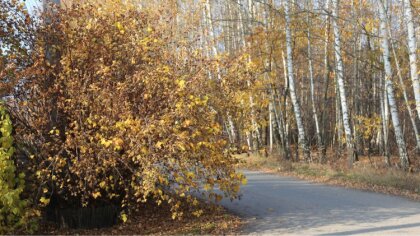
(296, 106)
(389, 87)
(412, 49)
(352, 156)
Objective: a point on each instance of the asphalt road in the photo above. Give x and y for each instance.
(274, 204)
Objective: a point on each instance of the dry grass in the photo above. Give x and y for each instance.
(367, 174)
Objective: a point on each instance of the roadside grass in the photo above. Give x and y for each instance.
(364, 175)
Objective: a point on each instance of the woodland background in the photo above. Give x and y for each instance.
(120, 102)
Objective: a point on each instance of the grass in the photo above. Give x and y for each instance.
(364, 175)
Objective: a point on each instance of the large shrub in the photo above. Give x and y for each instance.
(14, 213)
(114, 114)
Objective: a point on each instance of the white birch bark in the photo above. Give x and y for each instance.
(286, 92)
(270, 114)
(385, 123)
(404, 91)
(412, 49)
(341, 87)
(389, 88)
(338, 116)
(279, 118)
(296, 106)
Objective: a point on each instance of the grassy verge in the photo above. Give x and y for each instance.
(362, 176)
(156, 220)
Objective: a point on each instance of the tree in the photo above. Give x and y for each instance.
(311, 80)
(296, 106)
(412, 48)
(352, 155)
(389, 87)
(133, 119)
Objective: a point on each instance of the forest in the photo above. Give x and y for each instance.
(123, 102)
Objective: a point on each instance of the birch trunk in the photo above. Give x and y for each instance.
(352, 156)
(296, 107)
(286, 103)
(385, 123)
(412, 49)
(389, 88)
(404, 91)
(280, 120)
(270, 114)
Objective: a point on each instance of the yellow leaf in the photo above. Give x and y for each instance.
(187, 123)
(124, 217)
(190, 174)
(44, 201)
(181, 83)
(96, 195)
(144, 150)
(119, 26)
(159, 144)
(207, 187)
(89, 25)
(106, 143)
(181, 146)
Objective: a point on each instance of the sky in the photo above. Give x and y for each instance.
(33, 4)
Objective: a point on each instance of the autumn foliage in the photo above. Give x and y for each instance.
(106, 111)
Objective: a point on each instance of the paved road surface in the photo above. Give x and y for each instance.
(282, 205)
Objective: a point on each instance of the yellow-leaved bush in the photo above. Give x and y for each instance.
(113, 114)
(15, 216)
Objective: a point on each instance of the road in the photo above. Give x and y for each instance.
(273, 204)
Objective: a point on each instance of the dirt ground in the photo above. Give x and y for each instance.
(153, 219)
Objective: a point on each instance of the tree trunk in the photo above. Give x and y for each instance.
(296, 107)
(412, 49)
(385, 124)
(352, 156)
(404, 90)
(327, 71)
(389, 88)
